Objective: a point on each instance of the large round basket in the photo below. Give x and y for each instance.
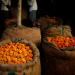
(22, 69)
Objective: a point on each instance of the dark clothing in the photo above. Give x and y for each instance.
(4, 14)
(33, 15)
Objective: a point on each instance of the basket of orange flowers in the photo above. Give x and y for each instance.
(20, 57)
(60, 55)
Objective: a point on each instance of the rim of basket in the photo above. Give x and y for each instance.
(35, 52)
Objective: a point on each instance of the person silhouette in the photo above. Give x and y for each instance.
(5, 6)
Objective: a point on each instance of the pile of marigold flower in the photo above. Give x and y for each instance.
(15, 53)
(61, 41)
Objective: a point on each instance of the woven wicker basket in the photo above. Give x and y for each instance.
(22, 69)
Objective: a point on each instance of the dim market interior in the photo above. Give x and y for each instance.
(37, 37)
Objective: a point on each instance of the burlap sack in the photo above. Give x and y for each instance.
(58, 62)
(58, 30)
(43, 22)
(51, 49)
(30, 34)
(58, 66)
(22, 69)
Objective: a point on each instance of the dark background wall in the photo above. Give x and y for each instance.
(63, 9)
(60, 8)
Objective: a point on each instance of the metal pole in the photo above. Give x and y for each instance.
(19, 13)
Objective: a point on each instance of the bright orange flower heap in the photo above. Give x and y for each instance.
(15, 53)
(62, 42)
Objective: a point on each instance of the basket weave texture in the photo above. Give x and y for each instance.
(30, 34)
(22, 69)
